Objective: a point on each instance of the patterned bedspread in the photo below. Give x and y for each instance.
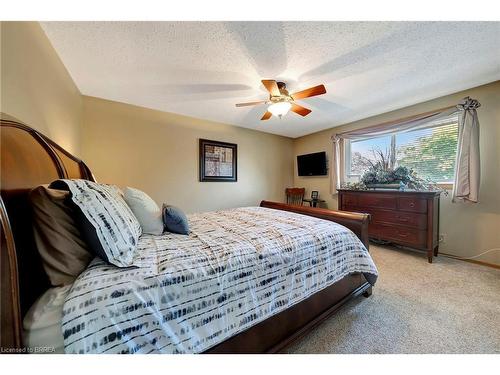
(236, 268)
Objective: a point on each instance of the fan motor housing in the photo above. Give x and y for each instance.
(285, 96)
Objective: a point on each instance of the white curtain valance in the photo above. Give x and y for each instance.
(466, 185)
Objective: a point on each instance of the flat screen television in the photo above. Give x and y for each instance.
(312, 164)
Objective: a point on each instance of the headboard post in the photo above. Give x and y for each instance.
(10, 309)
(28, 159)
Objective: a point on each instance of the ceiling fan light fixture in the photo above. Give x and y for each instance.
(279, 109)
(280, 101)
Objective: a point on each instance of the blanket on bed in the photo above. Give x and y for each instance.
(236, 268)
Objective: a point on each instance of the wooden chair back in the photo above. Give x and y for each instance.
(295, 196)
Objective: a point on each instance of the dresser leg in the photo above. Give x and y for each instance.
(429, 258)
(436, 249)
(368, 292)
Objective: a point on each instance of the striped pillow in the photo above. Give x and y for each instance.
(105, 220)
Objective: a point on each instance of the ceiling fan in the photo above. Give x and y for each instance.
(280, 101)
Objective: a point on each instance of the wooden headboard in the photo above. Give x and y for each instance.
(28, 159)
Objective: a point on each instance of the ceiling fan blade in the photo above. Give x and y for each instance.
(300, 110)
(311, 91)
(271, 86)
(250, 103)
(267, 116)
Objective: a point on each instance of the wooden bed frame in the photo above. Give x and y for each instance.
(28, 159)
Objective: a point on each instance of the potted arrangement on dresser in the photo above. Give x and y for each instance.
(383, 174)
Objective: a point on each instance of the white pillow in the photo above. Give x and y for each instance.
(145, 210)
(42, 323)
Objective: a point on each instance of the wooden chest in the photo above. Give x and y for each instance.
(408, 218)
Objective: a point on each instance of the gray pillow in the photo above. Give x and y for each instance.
(64, 252)
(145, 210)
(175, 220)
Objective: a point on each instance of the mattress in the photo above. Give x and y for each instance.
(236, 268)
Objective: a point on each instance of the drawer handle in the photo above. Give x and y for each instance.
(412, 204)
(403, 219)
(402, 234)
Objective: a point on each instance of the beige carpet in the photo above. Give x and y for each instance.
(449, 306)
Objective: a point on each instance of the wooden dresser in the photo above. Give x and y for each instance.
(405, 218)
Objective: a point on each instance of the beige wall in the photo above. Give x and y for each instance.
(36, 87)
(470, 229)
(158, 152)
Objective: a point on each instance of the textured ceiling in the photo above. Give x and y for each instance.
(202, 69)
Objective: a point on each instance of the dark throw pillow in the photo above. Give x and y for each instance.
(175, 220)
(63, 250)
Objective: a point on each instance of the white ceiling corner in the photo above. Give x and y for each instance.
(202, 69)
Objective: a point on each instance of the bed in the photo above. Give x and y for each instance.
(285, 312)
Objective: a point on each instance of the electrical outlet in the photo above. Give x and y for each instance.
(442, 238)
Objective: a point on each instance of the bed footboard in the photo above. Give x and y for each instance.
(356, 222)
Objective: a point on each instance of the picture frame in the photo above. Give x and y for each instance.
(218, 161)
(314, 194)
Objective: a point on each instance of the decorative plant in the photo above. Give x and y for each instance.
(382, 160)
(382, 170)
(379, 175)
(354, 186)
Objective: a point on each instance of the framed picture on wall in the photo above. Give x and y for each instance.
(218, 161)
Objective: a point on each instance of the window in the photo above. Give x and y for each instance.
(430, 151)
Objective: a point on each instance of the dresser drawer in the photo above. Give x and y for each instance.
(412, 204)
(377, 200)
(403, 235)
(398, 217)
(349, 200)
